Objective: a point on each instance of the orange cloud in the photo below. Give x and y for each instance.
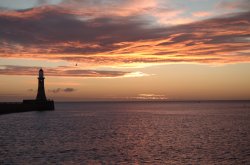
(50, 33)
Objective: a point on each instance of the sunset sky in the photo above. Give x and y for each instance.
(125, 49)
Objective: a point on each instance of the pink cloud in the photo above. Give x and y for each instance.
(202, 14)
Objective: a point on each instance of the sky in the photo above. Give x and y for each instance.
(93, 50)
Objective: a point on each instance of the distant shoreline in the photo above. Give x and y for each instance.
(135, 101)
(152, 101)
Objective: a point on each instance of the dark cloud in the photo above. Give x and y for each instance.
(53, 26)
(30, 90)
(69, 90)
(60, 71)
(57, 90)
(53, 31)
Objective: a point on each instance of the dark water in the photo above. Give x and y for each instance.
(128, 133)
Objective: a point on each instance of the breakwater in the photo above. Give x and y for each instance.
(26, 105)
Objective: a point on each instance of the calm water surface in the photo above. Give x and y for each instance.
(128, 133)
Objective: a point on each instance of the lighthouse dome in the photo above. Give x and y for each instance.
(41, 73)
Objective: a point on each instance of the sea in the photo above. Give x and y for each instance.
(129, 133)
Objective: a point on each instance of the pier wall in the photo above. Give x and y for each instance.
(26, 105)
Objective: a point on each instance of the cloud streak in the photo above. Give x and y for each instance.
(59, 90)
(150, 97)
(63, 71)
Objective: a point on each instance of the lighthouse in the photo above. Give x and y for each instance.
(41, 92)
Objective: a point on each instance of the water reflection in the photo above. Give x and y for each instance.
(122, 133)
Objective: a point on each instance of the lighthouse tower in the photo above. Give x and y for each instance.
(41, 92)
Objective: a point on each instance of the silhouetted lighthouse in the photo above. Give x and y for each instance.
(41, 92)
(39, 104)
